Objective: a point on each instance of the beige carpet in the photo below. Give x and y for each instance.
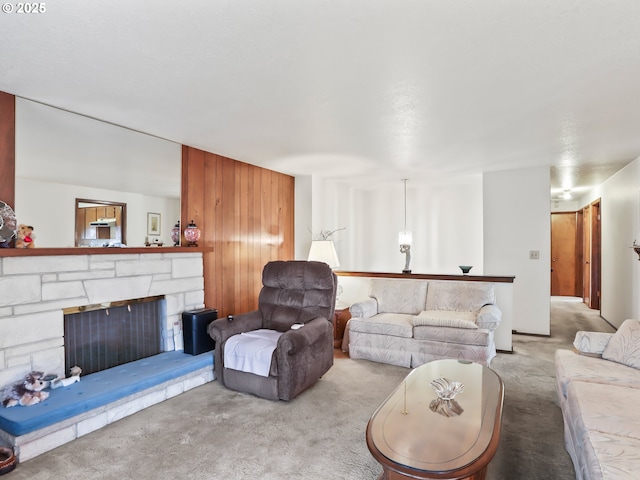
(214, 433)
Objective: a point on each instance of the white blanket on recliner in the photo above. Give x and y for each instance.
(251, 351)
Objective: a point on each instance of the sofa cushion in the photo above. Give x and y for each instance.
(459, 296)
(604, 425)
(464, 336)
(399, 295)
(446, 318)
(624, 346)
(605, 408)
(392, 324)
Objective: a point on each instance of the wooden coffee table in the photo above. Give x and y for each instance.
(413, 434)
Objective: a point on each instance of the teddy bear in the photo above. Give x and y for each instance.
(27, 392)
(25, 236)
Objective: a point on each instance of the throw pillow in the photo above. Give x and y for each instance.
(445, 318)
(624, 346)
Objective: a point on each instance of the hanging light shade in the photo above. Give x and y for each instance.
(404, 238)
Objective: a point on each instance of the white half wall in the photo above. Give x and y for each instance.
(356, 289)
(516, 221)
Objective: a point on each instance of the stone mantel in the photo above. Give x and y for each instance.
(38, 252)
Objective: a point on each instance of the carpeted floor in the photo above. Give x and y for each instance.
(214, 433)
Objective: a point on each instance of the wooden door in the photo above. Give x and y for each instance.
(586, 246)
(564, 254)
(595, 258)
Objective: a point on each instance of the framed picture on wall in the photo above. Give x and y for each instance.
(153, 223)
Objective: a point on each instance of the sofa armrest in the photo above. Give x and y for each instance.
(489, 317)
(364, 309)
(591, 343)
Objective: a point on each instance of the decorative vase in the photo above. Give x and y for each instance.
(175, 234)
(192, 234)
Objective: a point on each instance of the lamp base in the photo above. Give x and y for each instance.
(406, 271)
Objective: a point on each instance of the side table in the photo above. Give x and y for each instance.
(339, 323)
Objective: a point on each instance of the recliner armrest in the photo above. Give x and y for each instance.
(293, 341)
(364, 309)
(489, 317)
(222, 329)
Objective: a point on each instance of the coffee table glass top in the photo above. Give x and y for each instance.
(415, 429)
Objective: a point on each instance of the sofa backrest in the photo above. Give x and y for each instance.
(399, 295)
(460, 296)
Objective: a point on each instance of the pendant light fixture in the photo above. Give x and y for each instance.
(404, 238)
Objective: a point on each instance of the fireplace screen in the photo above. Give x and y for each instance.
(101, 338)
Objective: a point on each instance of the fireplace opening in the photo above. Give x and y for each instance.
(98, 337)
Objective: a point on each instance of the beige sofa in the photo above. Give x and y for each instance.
(599, 392)
(409, 322)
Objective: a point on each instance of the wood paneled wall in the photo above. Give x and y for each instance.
(246, 215)
(7, 148)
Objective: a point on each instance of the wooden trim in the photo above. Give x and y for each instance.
(430, 276)
(41, 252)
(8, 148)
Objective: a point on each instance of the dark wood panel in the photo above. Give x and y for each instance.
(247, 219)
(8, 148)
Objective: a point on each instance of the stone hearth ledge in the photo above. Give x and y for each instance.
(103, 398)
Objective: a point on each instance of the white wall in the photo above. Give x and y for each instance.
(565, 206)
(620, 214)
(446, 222)
(50, 209)
(490, 222)
(302, 216)
(516, 221)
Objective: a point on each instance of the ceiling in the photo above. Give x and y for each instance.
(364, 91)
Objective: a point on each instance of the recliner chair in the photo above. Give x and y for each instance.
(293, 293)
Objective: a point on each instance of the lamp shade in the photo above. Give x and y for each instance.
(404, 238)
(324, 251)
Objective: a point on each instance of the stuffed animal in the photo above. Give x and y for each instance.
(27, 392)
(25, 236)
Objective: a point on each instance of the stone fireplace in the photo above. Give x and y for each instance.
(35, 290)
